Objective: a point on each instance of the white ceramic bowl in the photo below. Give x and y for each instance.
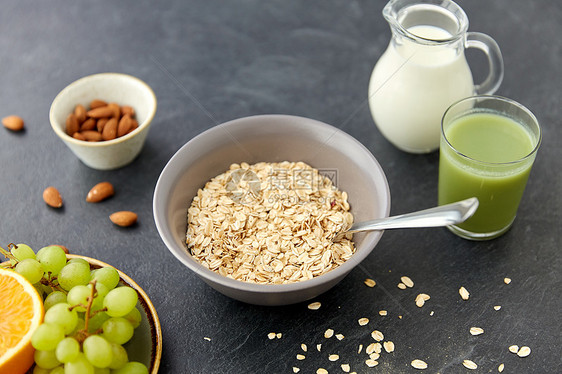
(122, 89)
(270, 138)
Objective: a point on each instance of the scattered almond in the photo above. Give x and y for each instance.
(52, 197)
(123, 218)
(99, 192)
(14, 123)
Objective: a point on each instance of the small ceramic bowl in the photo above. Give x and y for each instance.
(122, 89)
(146, 344)
(270, 138)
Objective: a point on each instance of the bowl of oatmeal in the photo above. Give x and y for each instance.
(251, 206)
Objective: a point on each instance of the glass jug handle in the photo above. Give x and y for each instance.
(495, 61)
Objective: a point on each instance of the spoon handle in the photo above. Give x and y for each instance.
(444, 215)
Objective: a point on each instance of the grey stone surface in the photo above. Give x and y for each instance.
(212, 61)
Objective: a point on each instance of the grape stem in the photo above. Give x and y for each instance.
(8, 255)
(81, 335)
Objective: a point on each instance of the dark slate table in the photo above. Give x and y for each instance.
(212, 61)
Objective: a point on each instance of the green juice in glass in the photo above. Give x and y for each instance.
(486, 155)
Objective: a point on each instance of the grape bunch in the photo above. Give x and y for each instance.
(88, 315)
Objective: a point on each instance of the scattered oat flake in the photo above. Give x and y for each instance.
(497, 307)
(296, 369)
(476, 330)
(271, 335)
(318, 347)
(469, 364)
(402, 286)
(507, 280)
(500, 368)
(371, 363)
(418, 364)
(315, 305)
(370, 283)
(374, 356)
(370, 348)
(383, 312)
(321, 371)
(464, 293)
(378, 347)
(524, 351)
(333, 357)
(207, 338)
(304, 347)
(431, 314)
(377, 335)
(279, 335)
(301, 357)
(513, 348)
(360, 348)
(388, 346)
(363, 321)
(407, 281)
(421, 299)
(345, 368)
(329, 333)
(340, 336)
(400, 317)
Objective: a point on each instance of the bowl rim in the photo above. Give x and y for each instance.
(84, 80)
(156, 330)
(160, 202)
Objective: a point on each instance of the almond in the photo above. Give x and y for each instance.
(101, 123)
(100, 112)
(88, 124)
(72, 124)
(110, 129)
(134, 125)
(91, 136)
(123, 218)
(96, 103)
(124, 125)
(116, 110)
(80, 113)
(52, 197)
(78, 136)
(99, 192)
(126, 109)
(14, 123)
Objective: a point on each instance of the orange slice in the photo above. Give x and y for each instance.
(21, 312)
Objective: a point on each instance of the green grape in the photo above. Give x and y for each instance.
(80, 324)
(52, 258)
(74, 274)
(46, 359)
(107, 275)
(132, 367)
(134, 316)
(53, 298)
(46, 288)
(57, 370)
(117, 330)
(80, 365)
(40, 370)
(97, 321)
(31, 269)
(78, 295)
(39, 288)
(67, 349)
(61, 315)
(120, 301)
(22, 252)
(78, 260)
(47, 336)
(101, 370)
(98, 351)
(120, 356)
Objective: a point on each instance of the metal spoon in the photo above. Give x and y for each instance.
(443, 215)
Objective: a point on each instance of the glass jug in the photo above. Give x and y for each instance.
(424, 70)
